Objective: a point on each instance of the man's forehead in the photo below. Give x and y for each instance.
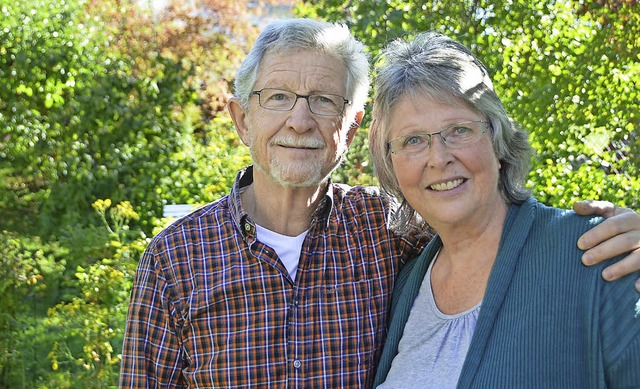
(302, 59)
(303, 68)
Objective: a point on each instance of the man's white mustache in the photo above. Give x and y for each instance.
(299, 142)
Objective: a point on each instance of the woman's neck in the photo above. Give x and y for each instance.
(460, 274)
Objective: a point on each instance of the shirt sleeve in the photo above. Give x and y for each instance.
(151, 353)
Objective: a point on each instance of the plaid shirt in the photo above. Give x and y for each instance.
(213, 307)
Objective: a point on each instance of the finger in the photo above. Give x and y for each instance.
(621, 210)
(627, 265)
(611, 248)
(625, 225)
(594, 207)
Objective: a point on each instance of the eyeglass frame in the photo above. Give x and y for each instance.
(487, 126)
(299, 96)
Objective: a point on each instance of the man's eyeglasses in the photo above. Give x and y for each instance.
(454, 136)
(323, 104)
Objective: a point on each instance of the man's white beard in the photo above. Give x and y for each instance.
(300, 175)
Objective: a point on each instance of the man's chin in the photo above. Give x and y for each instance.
(293, 178)
(300, 181)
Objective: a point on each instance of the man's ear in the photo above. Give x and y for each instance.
(354, 127)
(239, 117)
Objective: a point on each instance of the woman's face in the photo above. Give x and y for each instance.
(447, 185)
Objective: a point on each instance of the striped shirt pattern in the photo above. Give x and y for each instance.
(213, 307)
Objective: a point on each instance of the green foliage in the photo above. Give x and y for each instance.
(355, 168)
(87, 123)
(65, 304)
(30, 272)
(91, 321)
(100, 100)
(567, 71)
(124, 112)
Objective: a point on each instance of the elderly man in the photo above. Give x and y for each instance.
(285, 282)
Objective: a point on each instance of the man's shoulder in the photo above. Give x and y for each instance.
(366, 201)
(361, 193)
(215, 212)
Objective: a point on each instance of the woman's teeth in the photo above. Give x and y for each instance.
(446, 185)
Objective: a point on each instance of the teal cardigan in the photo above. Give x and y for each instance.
(546, 320)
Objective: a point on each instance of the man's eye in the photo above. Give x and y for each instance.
(278, 97)
(323, 100)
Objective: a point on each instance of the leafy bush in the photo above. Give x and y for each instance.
(90, 322)
(30, 274)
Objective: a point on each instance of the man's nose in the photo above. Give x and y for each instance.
(301, 118)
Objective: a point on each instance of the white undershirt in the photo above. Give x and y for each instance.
(287, 247)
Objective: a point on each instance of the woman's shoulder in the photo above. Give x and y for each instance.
(561, 220)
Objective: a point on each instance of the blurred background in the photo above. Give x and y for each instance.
(112, 109)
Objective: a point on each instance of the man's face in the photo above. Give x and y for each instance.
(298, 148)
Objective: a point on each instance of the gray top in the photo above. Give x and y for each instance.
(433, 346)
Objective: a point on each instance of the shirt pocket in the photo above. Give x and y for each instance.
(353, 323)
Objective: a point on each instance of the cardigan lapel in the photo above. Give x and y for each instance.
(401, 305)
(514, 235)
(405, 300)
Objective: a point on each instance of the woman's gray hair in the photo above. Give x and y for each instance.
(292, 35)
(434, 66)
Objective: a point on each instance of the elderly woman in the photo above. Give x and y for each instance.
(499, 298)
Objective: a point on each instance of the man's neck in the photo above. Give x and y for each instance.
(285, 210)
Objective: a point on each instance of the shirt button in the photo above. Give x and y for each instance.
(247, 226)
(297, 363)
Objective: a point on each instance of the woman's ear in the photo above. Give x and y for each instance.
(239, 117)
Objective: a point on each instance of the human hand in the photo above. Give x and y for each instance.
(618, 233)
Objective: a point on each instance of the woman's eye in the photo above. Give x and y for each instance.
(462, 130)
(414, 140)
